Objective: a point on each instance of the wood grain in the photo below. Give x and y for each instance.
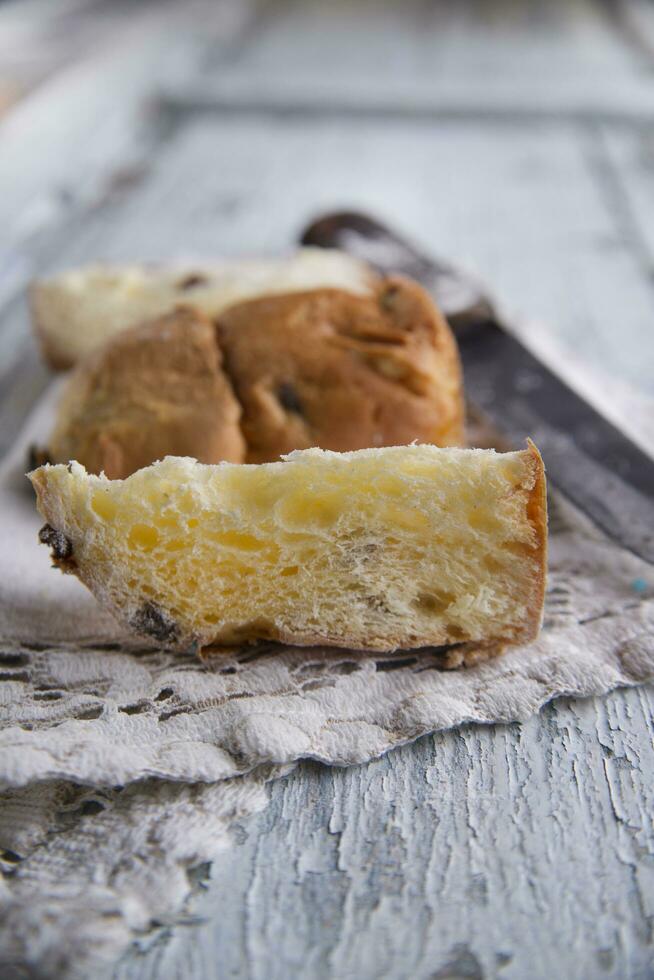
(479, 60)
(509, 852)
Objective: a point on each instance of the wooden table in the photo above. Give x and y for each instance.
(515, 138)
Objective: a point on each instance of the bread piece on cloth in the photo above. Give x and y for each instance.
(154, 390)
(323, 368)
(75, 312)
(378, 549)
(332, 369)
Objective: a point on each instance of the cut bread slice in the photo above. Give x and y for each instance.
(75, 312)
(377, 549)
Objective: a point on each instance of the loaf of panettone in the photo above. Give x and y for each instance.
(378, 549)
(324, 367)
(75, 312)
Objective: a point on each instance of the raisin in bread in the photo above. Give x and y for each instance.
(325, 368)
(75, 312)
(378, 549)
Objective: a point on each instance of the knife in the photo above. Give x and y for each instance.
(594, 464)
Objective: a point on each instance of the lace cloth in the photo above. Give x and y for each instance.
(122, 767)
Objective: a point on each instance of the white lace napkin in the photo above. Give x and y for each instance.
(122, 766)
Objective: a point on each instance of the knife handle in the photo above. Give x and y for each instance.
(369, 240)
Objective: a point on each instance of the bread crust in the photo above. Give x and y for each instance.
(323, 368)
(331, 369)
(537, 515)
(154, 390)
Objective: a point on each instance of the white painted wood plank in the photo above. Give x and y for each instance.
(69, 146)
(60, 145)
(556, 57)
(630, 155)
(38, 37)
(636, 20)
(507, 852)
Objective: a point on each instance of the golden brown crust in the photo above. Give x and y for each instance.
(536, 506)
(323, 368)
(331, 369)
(154, 390)
(537, 515)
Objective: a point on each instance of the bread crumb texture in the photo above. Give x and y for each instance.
(383, 549)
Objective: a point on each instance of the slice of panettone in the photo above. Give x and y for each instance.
(378, 549)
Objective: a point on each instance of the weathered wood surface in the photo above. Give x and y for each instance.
(482, 60)
(520, 146)
(511, 852)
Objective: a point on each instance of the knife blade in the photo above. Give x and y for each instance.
(587, 458)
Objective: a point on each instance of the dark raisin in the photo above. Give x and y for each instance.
(10, 857)
(152, 621)
(37, 456)
(288, 398)
(387, 298)
(91, 807)
(61, 546)
(190, 282)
